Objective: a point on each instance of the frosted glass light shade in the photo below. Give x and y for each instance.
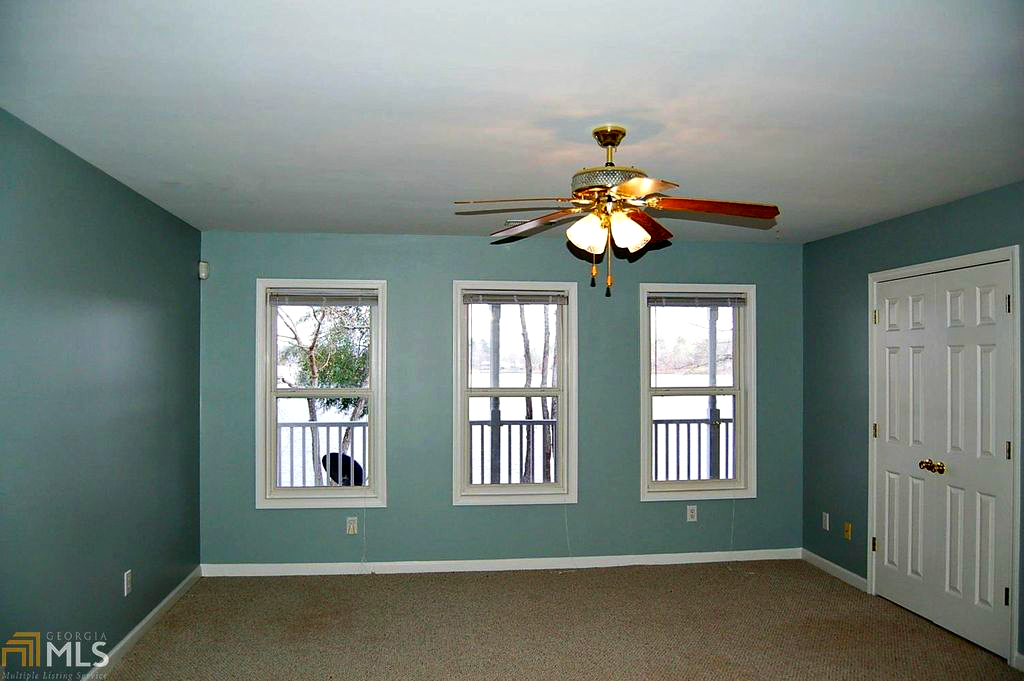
(588, 234)
(627, 234)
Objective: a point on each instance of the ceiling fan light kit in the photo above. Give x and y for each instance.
(613, 198)
(627, 234)
(588, 234)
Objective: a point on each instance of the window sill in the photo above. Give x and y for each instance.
(697, 494)
(334, 501)
(488, 498)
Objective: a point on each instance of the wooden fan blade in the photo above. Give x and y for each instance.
(650, 225)
(761, 211)
(533, 224)
(542, 198)
(639, 187)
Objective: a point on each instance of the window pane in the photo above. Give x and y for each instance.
(693, 438)
(322, 442)
(680, 341)
(513, 346)
(323, 346)
(513, 440)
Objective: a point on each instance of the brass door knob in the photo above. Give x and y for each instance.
(936, 467)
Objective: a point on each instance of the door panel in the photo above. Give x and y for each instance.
(891, 540)
(978, 466)
(954, 399)
(943, 392)
(954, 540)
(915, 533)
(906, 377)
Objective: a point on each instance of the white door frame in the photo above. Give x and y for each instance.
(1012, 254)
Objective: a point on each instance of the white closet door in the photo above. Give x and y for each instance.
(943, 381)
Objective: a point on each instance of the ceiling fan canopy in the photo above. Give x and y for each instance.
(612, 200)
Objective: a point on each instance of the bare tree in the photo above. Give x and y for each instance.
(547, 405)
(526, 473)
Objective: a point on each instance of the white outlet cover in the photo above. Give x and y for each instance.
(691, 514)
(825, 522)
(352, 525)
(127, 582)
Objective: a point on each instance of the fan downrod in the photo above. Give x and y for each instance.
(609, 136)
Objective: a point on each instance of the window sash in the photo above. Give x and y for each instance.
(278, 391)
(738, 351)
(321, 392)
(739, 453)
(553, 391)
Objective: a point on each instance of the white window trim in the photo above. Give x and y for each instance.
(745, 485)
(563, 492)
(372, 496)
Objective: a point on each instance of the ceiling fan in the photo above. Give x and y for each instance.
(613, 199)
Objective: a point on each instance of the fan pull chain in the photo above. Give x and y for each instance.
(593, 270)
(611, 256)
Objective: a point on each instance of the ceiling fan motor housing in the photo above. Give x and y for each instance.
(603, 177)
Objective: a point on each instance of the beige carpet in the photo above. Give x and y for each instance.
(758, 620)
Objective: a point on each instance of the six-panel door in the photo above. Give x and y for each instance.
(943, 397)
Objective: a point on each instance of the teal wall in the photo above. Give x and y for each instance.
(420, 522)
(836, 347)
(99, 421)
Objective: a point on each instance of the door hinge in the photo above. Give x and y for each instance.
(874, 430)
(1006, 596)
(1009, 449)
(874, 544)
(874, 316)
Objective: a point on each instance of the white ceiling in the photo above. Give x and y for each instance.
(338, 116)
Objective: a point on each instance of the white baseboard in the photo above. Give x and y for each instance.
(831, 568)
(558, 563)
(118, 652)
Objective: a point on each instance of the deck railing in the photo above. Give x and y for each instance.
(302, 445)
(527, 451)
(683, 449)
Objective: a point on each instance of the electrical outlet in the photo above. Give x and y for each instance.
(847, 531)
(824, 522)
(352, 525)
(691, 514)
(127, 582)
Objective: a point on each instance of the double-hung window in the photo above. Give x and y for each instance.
(514, 393)
(698, 391)
(320, 393)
